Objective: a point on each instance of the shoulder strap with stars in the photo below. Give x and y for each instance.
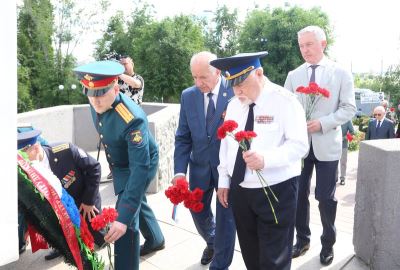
(123, 111)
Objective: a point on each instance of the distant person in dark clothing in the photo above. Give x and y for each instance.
(380, 127)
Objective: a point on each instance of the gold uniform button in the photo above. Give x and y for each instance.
(56, 160)
(101, 136)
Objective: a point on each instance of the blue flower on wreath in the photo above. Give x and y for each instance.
(71, 208)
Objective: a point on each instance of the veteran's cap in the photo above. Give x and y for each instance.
(28, 138)
(98, 77)
(236, 68)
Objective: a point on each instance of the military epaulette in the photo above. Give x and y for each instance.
(123, 111)
(60, 147)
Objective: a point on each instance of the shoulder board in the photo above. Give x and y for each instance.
(123, 111)
(60, 147)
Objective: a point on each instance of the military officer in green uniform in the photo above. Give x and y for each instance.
(132, 154)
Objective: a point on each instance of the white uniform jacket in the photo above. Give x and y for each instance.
(280, 125)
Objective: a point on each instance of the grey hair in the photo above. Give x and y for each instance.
(316, 30)
(203, 56)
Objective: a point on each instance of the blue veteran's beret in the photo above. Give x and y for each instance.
(28, 138)
(98, 77)
(236, 68)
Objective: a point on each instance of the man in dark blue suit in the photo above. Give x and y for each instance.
(197, 147)
(380, 127)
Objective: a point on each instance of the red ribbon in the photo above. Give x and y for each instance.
(37, 240)
(52, 197)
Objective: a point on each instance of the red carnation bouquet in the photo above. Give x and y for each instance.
(180, 193)
(314, 92)
(227, 129)
(104, 220)
(349, 136)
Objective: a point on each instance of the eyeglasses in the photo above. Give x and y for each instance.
(377, 114)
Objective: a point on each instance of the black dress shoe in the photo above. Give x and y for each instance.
(144, 250)
(208, 255)
(326, 256)
(300, 249)
(52, 255)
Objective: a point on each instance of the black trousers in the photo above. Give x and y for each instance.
(324, 193)
(264, 244)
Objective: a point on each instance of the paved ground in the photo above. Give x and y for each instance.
(184, 246)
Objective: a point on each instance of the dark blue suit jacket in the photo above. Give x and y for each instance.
(193, 147)
(386, 131)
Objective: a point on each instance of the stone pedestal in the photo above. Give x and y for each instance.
(376, 236)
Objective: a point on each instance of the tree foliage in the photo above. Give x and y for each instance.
(50, 32)
(161, 50)
(35, 54)
(276, 32)
(163, 54)
(222, 34)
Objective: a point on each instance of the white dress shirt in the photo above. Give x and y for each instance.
(318, 71)
(280, 125)
(215, 92)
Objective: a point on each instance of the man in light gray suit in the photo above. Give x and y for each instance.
(380, 127)
(325, 136)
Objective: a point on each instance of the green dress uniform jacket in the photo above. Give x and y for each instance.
(132, 154)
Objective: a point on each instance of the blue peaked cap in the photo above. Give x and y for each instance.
(238, 67)
(98, 77)
(28, 138)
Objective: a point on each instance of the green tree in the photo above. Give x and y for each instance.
(163, 53)
(73, 22)
(24, 102)
(368, 81)
(35, 54)
(222, 39)
(276, 32)
(118, 40)
(391, 84)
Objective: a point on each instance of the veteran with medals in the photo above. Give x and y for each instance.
(78, 172)
(132, 154)
(278, 119)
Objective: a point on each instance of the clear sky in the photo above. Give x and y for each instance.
(367, 33)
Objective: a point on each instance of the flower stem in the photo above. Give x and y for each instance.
(263, 182)
(109, 257)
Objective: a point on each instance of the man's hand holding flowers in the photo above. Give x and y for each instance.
(313, 126)
(254, 160)
(116, 231)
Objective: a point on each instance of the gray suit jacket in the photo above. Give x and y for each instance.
(332, 112)
(386, 131)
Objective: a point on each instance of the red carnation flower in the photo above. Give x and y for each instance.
(109, 214)
(230, 125)
(197, 194)
(198, 207)
(240, 135)
(221, 133)
(98, 223)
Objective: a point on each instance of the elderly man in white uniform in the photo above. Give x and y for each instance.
(278, 119)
